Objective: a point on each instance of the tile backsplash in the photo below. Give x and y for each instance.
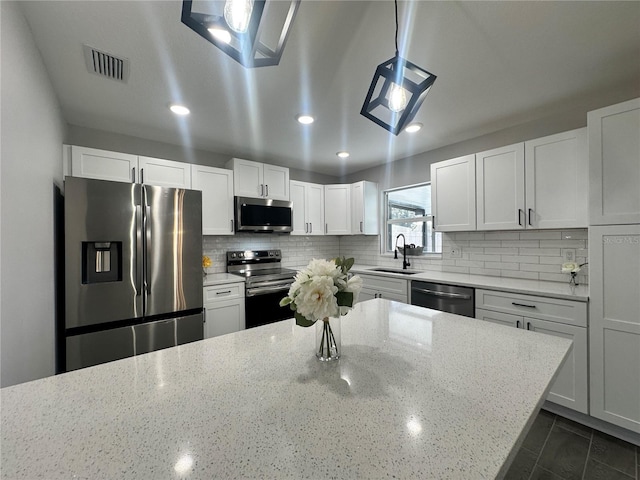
(535, 255)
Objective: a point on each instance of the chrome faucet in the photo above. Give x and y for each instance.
(405, 262)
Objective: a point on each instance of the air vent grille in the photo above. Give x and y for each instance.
(106, 65)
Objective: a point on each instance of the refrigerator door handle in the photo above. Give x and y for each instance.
(147, 247)
(138, 248)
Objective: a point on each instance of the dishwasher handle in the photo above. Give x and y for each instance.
(441, 294)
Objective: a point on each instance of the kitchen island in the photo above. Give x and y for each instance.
(417, 394)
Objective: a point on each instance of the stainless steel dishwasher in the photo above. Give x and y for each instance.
(446, 298)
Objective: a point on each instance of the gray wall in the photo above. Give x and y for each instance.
(416, 169)
(89, 137)
(32, 134)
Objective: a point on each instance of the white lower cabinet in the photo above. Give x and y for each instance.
(561, 318)
(378, 286)
(224, 309)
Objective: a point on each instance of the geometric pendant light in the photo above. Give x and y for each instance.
(398, 89)
(252, 32)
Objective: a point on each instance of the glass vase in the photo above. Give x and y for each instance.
(328, 345)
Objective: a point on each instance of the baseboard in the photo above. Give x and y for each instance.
(595, 423)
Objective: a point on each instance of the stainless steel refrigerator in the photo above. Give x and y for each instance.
(133, 270)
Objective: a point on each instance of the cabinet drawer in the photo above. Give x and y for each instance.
(223, 292)
(385, 284)
(544, 308)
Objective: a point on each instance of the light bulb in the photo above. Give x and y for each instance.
(397, 98)
(237, 14)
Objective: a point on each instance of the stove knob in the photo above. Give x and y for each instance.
(233, 255)
(241, 254)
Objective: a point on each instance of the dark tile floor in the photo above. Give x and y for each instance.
(558, 449)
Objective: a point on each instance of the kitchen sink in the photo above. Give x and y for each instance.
(394, 270)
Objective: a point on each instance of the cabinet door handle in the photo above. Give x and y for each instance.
(520, 212)
(360, 227)
(530, 211)
(261, 190)
(522, 305)
(223, 293)
(204, 316)
(133, 175)
(231, 225)
(266, 187)
(306, 228)
(142, 175)
(310, 227)
(326, 228)
(517, 323)
(433, 222)
(528, 325)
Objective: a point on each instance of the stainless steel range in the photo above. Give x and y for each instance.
(266, 283)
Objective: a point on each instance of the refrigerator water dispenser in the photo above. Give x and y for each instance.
(101, 262)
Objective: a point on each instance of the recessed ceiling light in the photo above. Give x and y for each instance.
(343, 154)
(179, 109)
(305, 119)
(221, 34)
(414, 127)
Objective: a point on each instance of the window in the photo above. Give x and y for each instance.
(408, 212)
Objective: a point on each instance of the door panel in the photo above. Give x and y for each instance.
(500, 318)
(174, 249)
(297, 192)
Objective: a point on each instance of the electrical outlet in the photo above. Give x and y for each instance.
(569, 254)
(455, 252)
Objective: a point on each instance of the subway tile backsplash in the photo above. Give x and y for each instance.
(534, 255)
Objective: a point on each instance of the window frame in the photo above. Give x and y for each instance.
(386, 244)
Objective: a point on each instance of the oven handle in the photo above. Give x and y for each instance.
(252, 292)
(270, 283)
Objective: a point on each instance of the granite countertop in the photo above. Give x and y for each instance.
(514, 285)
(212, 279)
(417, 394)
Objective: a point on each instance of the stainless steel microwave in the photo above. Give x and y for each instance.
(263, 215)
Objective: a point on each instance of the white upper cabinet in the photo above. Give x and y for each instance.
(337, 209)
(556, 174)
(164, 173)
(259, 180)
(103, 165)
(453, 194)
(364, 208)
(216, 185)
(500, 188)
(614, 164)
(122, 167)
(308, 208)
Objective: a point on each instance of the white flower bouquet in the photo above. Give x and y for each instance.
(322, 290)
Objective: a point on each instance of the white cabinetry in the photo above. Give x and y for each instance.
(614, 164)
(259, 180)
(337, 209)
(164, 173)
(556, 176)
(561, 318)
(103, 165)
(614, 329)
(216, 185)
(224, 309)
(122, 167)
(453, 194)
(308, 208)
(379, 286)
(500, 188)
(364, 208)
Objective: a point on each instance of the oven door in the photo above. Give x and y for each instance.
(262, 305)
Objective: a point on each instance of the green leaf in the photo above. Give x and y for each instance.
(348, 263)
(345, 299)
(302, 321)
(285, 301)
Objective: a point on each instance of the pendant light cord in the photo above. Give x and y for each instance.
(396, 4)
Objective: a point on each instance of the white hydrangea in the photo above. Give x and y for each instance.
(322, 268)
(316, 298)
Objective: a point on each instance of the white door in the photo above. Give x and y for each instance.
(500, 188)
(247, 178)
(224, 317)
(276, 182)
(297, 191)
(103, 165)
(453, 194)
(315, 208)
(500, 318)
(357, 208)
(570, 388)
(614, 324)
(614, 164)
(164, 173)
(337, 209)
(216, 185)
(556, 173)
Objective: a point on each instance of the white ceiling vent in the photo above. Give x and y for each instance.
(105, 64)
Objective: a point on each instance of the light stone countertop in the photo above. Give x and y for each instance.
(417, 394)
(514, 285)
(213, 279)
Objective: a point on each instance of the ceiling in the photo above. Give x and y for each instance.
(498, 64)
